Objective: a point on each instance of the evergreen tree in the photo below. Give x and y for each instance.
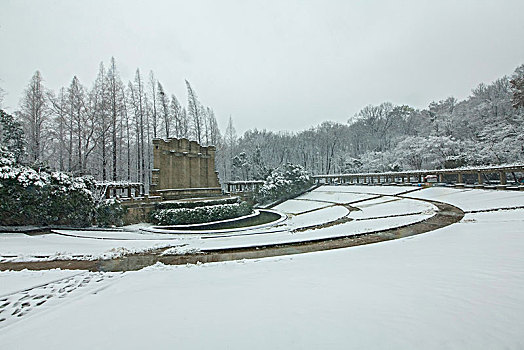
(12, 136)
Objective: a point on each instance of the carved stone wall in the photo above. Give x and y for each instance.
(180, 163)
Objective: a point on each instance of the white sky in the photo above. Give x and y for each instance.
(278, 65)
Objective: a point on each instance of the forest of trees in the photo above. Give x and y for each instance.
(106, 130)
(487, 128)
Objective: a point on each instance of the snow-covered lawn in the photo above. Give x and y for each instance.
(317, 217)
(459, 287)
(303, 213)
(372, 190)
(375, 205)
(20, 247)
(13, 281)
(387, 206)
(295, 206)
(334, 195)
(472, 199)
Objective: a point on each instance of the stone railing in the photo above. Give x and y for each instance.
(121, 189)
(243, 186)
(457, 177)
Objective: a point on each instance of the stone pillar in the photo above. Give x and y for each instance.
(440, 178)
(502, 175)
(480, 179)
(460, 180)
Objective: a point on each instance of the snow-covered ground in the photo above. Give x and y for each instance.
(13, 281)
(458, 287)
(472, 199)
(315, 210)
(376, 208)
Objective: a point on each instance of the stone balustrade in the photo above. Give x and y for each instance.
(456, 177)
(243, 186)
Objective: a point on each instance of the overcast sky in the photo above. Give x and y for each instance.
(278, 65)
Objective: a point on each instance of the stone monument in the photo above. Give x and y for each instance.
(183, 168)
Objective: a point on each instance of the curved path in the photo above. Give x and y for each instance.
(346, 207)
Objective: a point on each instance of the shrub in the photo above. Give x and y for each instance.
(284, 182)
(199, 215)
(110, 213)
(30, 197)
(195, 204)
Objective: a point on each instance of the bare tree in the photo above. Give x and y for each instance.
(116, 111)
(138, 101)
(230, 141)
(34, 116)
(164, 109)
(153, 86)
(99, 110)
(214, 130)
(58, 108)
(194, 111)
(179, 115)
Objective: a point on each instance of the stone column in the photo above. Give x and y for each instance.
(502, 175)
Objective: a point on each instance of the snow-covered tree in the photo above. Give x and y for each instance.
(11, 136)
(34, 115)
(517, 85)
(195, 113)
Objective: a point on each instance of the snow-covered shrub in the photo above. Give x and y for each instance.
(69, 200)
(110, 213)
(194, 204)
(181, 216)
(284, 182)
(30, 197)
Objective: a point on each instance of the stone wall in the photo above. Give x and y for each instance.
(180, 164)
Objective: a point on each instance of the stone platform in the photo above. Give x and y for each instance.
(180, 193)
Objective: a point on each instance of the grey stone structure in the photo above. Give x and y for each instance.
(183, 168)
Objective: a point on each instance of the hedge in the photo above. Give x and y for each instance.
(182, 216)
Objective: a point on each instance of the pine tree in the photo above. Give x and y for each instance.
(12, 135)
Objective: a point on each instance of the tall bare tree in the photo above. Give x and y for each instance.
(116, 111)
(194, 111)
(153, 91)
(34, 115)
(165, 113)
(99, 111)
(58, 106)
(137, 96)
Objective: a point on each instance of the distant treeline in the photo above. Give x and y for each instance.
(486, 128)
(106, 130)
